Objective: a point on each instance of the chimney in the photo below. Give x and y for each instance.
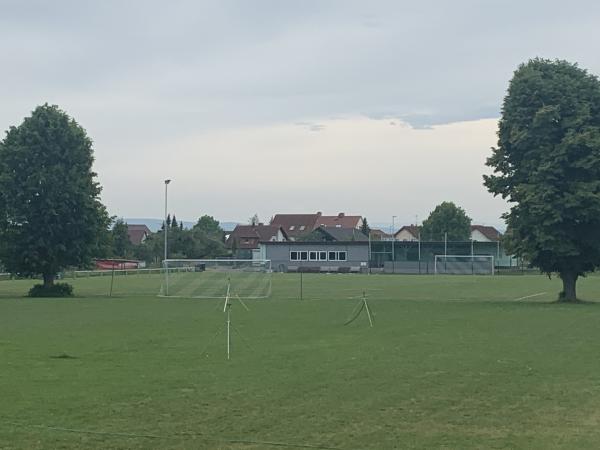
(260, 224)
(319, 213)
(340, 215)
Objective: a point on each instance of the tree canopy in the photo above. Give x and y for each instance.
(204, 240)
(121, 245)
(254, 220)
(51, 216)
(447, 218)
(547, 165)
(365, 228)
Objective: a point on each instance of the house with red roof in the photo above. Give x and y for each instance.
(246, 238)
(483, 233)
(137, 233)
(297, 225)
(407, 233)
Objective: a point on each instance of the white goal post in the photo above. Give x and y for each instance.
(464, 264)
(216, 278)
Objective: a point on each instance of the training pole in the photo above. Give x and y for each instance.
(112, 280)
(227, 296)
(228, 330)
(367, 308)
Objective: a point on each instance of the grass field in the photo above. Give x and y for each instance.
(452, 362)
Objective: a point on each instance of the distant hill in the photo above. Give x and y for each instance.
(155, 224)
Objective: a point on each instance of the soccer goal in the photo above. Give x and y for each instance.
(215, 278)
(464, 264)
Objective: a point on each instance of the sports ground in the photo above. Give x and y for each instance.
(451, 362)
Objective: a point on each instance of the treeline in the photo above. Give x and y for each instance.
(205, 240)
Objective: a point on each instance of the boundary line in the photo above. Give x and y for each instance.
(529, 296)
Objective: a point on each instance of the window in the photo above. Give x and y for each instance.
(302, 227)
(303, 256)
(341, 256)
(292, 227)
(322, 256)
(312, 256)
(332, 256)
(293, 256)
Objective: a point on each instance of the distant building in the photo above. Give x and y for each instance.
(479, 233)
(246, 238)
(315, 256)
(326, 234)
(379, 235)
(339, 221)
(407, 233)
(483, 233)
(297, 225)
(137, 233)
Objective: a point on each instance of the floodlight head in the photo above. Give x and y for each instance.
(167, 181)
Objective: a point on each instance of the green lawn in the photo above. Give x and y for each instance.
(452, 362)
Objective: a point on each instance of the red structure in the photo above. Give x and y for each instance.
(110, 264)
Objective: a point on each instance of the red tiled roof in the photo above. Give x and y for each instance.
(296, 225)
(412, 229)
(137, 233)
(248, 236)
(489, 232)
(376, 232)
(339, 221)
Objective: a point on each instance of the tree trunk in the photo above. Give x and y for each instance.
(569, 293)
(48, 280)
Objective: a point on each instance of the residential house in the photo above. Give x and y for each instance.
(137, 233)
(479, 233)
(297, 225)
(407, 233)
(339, 221)
(326, 234)
(483, 233)
(246, 238)
(379, 235)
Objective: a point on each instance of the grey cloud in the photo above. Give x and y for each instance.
(208, 64)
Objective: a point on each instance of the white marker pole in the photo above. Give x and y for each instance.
(228, 331)
(367, 308)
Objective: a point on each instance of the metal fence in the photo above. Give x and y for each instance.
(418, 257)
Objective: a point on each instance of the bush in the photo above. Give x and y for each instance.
(56, 290)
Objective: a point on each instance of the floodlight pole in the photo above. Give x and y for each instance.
(166, 226)
(166, 251)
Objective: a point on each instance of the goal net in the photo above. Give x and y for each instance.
(464, 264)
(212, 278)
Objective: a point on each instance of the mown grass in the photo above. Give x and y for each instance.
(452, 362)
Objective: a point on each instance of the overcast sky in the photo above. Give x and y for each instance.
(377, 108)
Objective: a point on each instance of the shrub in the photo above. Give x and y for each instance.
(56, 290)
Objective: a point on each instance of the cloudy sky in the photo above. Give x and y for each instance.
(377, 108)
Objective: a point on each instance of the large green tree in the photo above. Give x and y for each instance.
(210, 226)
(51, 216)
(121, 244)
(204, 240)
(547, 165)
(447, 218)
